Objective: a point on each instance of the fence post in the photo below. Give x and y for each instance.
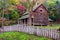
(58, 35)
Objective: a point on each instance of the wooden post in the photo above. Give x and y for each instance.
(33, 21)
(18, 21)
(29, 21)
(24, 22)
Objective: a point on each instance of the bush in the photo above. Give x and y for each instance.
(0, 13)
(14, 15)
(58, 15)
(13, 22)
(6, 22)
(58, 29)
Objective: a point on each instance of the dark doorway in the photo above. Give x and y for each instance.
(26, 20)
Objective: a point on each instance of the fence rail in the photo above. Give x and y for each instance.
(51, 33)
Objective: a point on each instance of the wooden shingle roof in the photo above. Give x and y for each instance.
(37, 6)
(25, 15)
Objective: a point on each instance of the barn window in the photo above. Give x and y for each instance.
(40, 10)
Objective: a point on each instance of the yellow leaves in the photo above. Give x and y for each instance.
(11, 7)
(17, 1)
(41, 1)
(51, 2)
(13, 1)
(6, 22)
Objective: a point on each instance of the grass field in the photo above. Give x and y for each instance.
(53, 26)
(20, 36)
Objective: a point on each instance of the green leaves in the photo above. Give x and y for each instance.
(14, 15)
(58, 15)
(53, 8)
(0, 13)
(12, 2)
(28, 4)
(51, 2)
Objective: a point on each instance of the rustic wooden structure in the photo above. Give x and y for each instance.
(38, 16)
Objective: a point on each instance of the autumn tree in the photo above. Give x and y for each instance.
(53, 9)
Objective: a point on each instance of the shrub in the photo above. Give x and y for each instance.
(6, 22)
(0, 13)
(14, 15)
(13, 22)
(58, 29)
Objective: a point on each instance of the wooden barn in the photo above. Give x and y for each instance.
(38, 16)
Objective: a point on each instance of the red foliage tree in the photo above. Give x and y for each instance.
(20, 8)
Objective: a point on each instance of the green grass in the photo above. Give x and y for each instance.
(20, 36)
(53, 26)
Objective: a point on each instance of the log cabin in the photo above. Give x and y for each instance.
(37, 16)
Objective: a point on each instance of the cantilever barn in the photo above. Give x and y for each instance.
(38, 16)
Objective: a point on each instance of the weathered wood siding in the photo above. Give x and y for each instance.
(40, 16)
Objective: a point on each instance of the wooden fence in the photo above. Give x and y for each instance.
(51, 33)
